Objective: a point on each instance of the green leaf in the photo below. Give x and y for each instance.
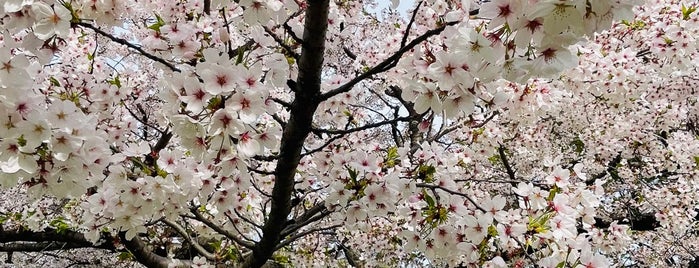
(538, 224)
(60, 225)
(578, 144)
(239, 59)
(391, 157)
(139, 164)
(494, 159)
(231, 253)
(214, 103)
(492, 231)
(216, 245)
(687, 11)
(428, 199)
(426, 173)
(21, 141)
(54, 81)
(161, 173)
(73, 13)
(125, 256)
(158, 23)
(115, 82)
(353, 174)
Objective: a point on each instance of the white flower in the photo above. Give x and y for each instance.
(51, 20)
(13, 70)
(255, 12)
(196, 97)
(248, 146)
(476, 227)
(226, 121)
(501, 11)
(217, 79)
(560, 177)
(248, 106)
(200, 262)
(16, 5)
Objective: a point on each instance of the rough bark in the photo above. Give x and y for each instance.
(70, 239)
(143, 254)
(295, 131)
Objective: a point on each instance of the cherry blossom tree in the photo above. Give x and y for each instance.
(199, 133)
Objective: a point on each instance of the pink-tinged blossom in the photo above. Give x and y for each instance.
(255, 11)
(51, 20)
(248, 146)
(35, 130)
(177, 32)
(364, 162)
(494, 207)
(249, 106)
(195, 96)
(561, 205)
(562, 227)
(476, 227)
(226, 121)
(590, 259)
(13, 70)
(217, 79)
(12, 6)
(168, 160)
(560, 177)
(551, 58)
(452, 69)
(355, 213)
(501, 12)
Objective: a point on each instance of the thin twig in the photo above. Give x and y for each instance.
(180, 230)
(430, 186)
(385, 65)
(130, 45)
(410, 24)
(304, 233)
(198, 216)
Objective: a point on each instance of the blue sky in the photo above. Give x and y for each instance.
(403, 7)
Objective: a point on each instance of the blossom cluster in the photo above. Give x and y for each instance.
(477, 133)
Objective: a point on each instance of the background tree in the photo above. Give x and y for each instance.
(198, 133)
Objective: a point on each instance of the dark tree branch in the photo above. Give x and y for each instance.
(410, 25)
(281, 43)
(45, 246)
(288, 29)
(296, 130)
(72, 239)
(49, 239)
(198, 216)
(431, 186)
(320, 148)
(365, 127)
(413, 125)
(66, 236)
(305, 218)
(506, 163)
(295, 237)
(143, 254)
(128, 44)
(233, 52)
(454, 127)
(349, 53)
(385, 65)
(180, 230)
(207, 7)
